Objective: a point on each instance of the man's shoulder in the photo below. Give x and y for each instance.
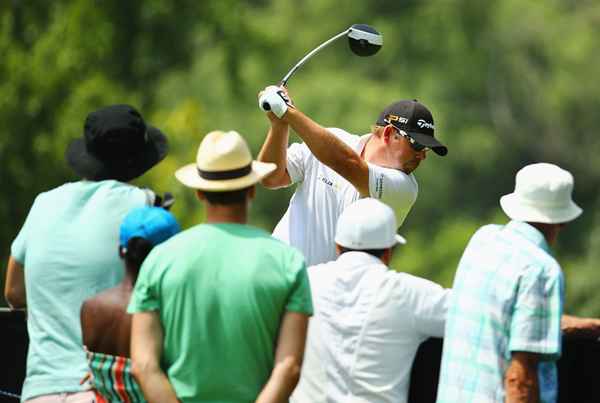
(350, 139)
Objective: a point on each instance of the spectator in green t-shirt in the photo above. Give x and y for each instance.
(221, 309)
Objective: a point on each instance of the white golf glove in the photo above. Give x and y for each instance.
(274, 99)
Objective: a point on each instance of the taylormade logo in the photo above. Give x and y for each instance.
(425, 125)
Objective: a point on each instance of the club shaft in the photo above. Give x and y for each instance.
(285, 79)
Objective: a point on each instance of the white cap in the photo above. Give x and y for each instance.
(367, 224)
(542, 194)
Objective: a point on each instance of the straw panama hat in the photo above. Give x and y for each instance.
(542, 194)
(223, 164)
(367, 224)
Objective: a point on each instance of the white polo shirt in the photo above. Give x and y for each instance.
(367, 325)
(310, 221)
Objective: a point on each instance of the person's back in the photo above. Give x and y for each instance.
(223, 288)
(223, 306)
(369, 321)
(105, 323)
(65, 251)
(500, 267)
(69, 255)
(503, 330)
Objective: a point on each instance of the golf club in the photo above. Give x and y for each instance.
(363, 40)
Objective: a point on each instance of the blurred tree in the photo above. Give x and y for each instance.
(509, 83)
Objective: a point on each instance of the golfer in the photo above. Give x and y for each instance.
(503, 331)
(334, 168)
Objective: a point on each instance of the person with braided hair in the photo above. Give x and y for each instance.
(105, 323)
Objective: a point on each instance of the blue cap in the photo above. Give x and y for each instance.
(152, 223)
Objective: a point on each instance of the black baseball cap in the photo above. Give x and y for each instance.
(415, 119)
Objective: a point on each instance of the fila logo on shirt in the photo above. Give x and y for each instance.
(328, 182)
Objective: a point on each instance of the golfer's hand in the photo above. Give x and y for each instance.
(275, 99)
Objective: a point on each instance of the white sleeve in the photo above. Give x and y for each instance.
(430, 305)
(297, 158)
(393, 187)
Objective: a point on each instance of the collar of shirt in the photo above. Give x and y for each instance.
(530, 233)
(355, 259)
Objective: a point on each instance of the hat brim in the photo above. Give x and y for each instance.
(91, 167)
(429, 141)
(517, 209)
(189, 176)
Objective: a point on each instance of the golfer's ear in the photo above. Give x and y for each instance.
(388, 132)
(252, 192)
(200, 195)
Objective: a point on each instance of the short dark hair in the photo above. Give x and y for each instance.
(227, 198)
(378, 253)
(137, 250)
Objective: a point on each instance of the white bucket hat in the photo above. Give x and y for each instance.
(542, 194)
(367, 224)
(223, 164)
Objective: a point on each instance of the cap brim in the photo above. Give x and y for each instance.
(429, 141)
(91, 167)
(400, 240)
(188, 176)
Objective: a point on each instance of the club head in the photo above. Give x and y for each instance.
(364, 40)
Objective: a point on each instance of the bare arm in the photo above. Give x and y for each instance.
(146, 350)
(521, 379)
(288, 359)
(274, 150)
(14, 289)
(576, 327)
(330, 150)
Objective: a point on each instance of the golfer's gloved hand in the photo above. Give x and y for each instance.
(274, 99)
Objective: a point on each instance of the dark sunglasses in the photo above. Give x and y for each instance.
(413, 143)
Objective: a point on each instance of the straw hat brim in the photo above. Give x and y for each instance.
(518, 210)
(189, 176)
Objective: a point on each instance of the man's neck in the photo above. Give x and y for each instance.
(217, 213)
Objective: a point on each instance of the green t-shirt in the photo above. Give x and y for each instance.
(221, 290)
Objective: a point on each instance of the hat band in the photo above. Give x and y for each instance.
(221, 175)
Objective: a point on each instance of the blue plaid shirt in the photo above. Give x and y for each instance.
(507, 296)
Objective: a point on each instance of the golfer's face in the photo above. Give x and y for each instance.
(407, 158)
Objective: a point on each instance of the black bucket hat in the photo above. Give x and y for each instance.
(414, 118)
(116, 144)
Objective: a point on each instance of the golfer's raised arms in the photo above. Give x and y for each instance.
(334, 168)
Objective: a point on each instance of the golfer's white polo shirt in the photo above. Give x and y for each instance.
(367, 325)
(322, 194)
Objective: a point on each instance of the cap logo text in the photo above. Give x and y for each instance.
(394, 118)
(425, 125)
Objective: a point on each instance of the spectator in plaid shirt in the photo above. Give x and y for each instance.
(503, 329)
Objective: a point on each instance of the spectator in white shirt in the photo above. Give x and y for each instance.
(334, 168)
(368, 320)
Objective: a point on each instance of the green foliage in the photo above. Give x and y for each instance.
(509, 83)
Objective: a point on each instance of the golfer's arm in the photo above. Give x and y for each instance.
(330, 150)
(576, 327)
(146, 350)
(274, 150)
(521, 379)
(14, 288)
(288, 359)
